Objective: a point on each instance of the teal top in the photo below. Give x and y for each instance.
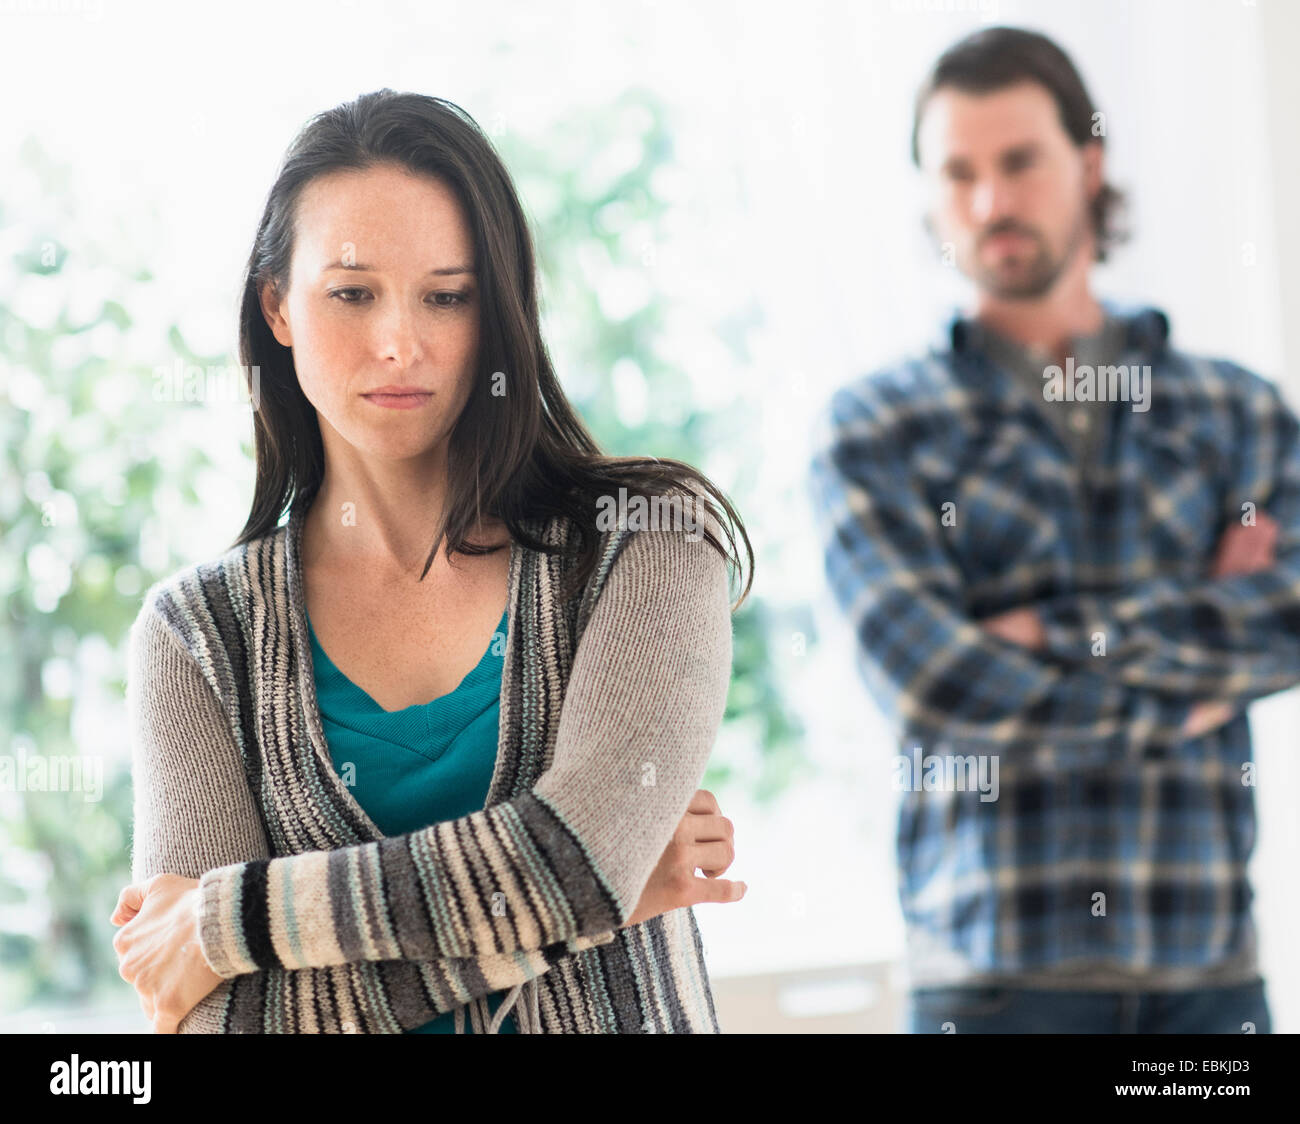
(418, 766)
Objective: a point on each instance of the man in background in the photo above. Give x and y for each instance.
(1070, 555)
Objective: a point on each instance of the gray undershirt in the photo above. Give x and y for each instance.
(1081, 426)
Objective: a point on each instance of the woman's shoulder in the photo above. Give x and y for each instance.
(678, 559)
(662, 602)
(198, 602)
(658, 551)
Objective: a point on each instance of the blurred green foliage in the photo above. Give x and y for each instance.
(98, 478)
(598, 230)
(83, 466)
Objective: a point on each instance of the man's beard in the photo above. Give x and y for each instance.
(1039, 275)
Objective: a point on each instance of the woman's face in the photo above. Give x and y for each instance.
(382, 311)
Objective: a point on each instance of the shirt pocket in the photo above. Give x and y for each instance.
(1184, 477)
(1013, 510)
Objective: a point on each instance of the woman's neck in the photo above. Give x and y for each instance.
(379, 514)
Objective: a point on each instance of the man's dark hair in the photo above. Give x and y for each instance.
(997, 57)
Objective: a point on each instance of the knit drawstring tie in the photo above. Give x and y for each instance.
(481, 1017)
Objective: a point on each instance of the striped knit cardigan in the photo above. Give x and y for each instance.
(317, 922)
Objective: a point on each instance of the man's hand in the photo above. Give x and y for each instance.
(158, 950)
(1018, 626)
(1241, 550)
(1207, 716)
(1246, 550)
(703, 840)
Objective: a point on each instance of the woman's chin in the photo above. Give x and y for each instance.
(394, 445)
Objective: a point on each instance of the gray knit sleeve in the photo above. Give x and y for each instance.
(193, 812)
(192, 808)
(644, 702)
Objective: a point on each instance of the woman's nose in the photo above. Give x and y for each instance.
(400, 338)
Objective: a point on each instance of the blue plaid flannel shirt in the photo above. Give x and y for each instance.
(1099, 792)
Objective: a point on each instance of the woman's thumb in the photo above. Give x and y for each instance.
(128, 904)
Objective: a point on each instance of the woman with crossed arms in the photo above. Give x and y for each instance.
(379, 784)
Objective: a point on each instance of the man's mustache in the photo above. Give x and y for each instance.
(1007, 226)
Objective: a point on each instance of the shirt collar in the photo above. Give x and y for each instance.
(1146, 328)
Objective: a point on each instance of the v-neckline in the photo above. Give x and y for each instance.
(430, 710)
(291, 559)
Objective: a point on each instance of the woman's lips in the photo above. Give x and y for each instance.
(411, 400)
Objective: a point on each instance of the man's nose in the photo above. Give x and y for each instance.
(990, 200)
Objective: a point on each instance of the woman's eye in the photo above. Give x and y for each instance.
(354, 295)
(337, 294)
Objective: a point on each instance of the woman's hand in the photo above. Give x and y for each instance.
(158, 950)
(703, 840)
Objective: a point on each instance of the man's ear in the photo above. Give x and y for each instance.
(271, 302)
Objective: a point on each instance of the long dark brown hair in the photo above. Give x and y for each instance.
(520, 455)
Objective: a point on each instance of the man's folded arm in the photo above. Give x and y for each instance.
(934, 670)
(1232, 638)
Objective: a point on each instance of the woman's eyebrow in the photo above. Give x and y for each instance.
(359, 267)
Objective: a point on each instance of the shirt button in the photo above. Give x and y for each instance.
(1079, 420)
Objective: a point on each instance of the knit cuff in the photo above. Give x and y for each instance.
(581, 944)
(220, 896)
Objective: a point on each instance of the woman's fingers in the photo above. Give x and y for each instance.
(717, 890)
(703, 801)
(713, 846)
(128, 904)
(713, 858)
(705, 828)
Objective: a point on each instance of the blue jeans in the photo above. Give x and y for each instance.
(1016, 1010)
